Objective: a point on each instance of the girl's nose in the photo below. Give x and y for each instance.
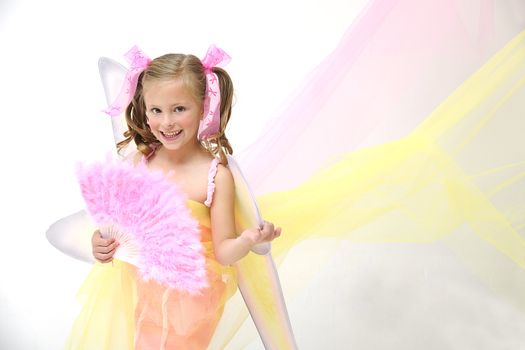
(168, 119)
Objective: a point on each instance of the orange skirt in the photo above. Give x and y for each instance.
(171, 319)
(122, 311)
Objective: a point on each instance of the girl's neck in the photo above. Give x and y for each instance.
(180, 156)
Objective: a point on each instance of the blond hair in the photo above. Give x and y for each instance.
(188, 68)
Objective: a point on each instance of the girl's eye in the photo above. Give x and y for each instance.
(155, 111)
(179, 109)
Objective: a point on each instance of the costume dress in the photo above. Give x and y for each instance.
(123, 311)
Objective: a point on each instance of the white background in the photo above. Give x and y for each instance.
(51, 98)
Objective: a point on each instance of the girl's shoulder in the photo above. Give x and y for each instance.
(215, 167)
(134, 157)
(223, 180)
(223, 173)
(220, 180)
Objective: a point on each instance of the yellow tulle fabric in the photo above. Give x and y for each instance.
(122, 311)
(457, 181)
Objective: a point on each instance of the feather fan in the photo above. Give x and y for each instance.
(147, 214)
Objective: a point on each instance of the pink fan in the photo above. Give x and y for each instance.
(148, 216)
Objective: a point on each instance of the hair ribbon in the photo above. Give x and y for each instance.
(210, 123)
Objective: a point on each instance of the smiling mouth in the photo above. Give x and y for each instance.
(171, 135)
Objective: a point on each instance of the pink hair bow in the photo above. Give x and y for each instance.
(138, 63)
(209, 125)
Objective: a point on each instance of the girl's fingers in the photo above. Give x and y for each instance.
(269, 226)
(105, 249)
(102, 242)
(267, 233)
(104, 257)
(97, 239)
(275, 233)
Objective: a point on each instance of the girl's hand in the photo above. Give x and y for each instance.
(103, 249)
(265, 234)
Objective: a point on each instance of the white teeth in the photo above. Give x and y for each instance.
(172, 134)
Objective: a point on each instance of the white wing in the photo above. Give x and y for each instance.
(72, 234)
(112, 75)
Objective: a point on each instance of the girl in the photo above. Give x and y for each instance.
(177, 115)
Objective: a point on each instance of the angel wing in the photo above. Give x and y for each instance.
(112, 75)
(72, 234)
(257, 276)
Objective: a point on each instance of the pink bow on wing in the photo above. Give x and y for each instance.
(138, 63)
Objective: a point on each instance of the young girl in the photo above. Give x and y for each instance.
(176, 117)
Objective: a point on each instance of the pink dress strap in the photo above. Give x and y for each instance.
(211, 181)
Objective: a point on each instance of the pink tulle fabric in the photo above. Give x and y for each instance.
(152, 211)
(211, 182)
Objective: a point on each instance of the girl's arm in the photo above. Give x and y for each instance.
(228, 247)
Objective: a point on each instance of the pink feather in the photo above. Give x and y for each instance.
(148, 215)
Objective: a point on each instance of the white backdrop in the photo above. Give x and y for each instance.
(52, 97)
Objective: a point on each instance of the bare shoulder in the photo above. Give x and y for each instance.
(134, 157)
(223, 178)
(137, 157)
(224, 187)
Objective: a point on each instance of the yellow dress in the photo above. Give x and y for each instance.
(122, 311)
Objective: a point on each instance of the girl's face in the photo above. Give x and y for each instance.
(172, 112)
